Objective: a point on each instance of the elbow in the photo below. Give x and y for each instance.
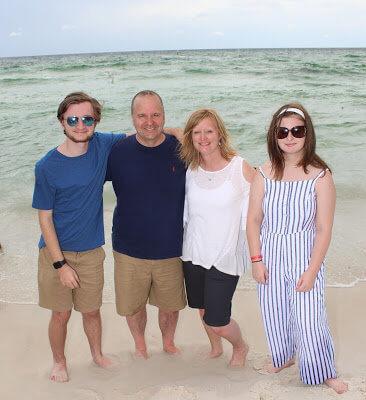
(253, 224)
(253, 219)
(324, 233)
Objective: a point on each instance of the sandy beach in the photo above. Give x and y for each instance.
(26, 358)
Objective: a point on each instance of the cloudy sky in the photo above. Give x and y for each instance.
(37, 27)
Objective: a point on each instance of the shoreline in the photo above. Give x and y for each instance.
(26, 357)
(18, 265)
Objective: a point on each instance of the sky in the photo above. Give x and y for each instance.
(40, 27)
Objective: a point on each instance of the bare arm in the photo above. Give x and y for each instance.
(254, 221)
(248, 172)
(67, 275)
(325, 200)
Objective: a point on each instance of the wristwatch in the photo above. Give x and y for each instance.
(59, 264)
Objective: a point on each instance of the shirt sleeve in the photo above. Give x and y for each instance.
(110, 139)
(116, 137)
(44, 193)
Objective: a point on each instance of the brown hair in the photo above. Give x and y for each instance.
(275, 153)
(188, 153)
(145, 93)
(77, 98)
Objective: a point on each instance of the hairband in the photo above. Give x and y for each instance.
(294, 110)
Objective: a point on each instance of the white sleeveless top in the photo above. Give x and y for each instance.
(215, 213)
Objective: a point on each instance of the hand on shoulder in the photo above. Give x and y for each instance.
(177, 132)
(266, 168)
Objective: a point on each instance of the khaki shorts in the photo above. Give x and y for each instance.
(138, 281)
(89, 267)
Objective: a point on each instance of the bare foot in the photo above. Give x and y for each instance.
(215, 353)
(337, 385)
(59, 372)
(141, 353)
(104, 362)
(239, 356)
(171, 349)
(271, 369)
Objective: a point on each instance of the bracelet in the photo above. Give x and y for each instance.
(256, 258)
(259, 260)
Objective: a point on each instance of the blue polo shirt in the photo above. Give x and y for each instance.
(73, 188)
(149, 183)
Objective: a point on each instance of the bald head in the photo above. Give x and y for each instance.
(148, 118)
(144, 93)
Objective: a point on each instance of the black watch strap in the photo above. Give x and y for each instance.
(59, 264)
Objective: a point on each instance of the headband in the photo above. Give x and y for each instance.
(294, 110)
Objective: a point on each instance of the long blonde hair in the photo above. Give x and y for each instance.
(187, 152)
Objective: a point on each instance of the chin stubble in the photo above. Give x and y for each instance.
(78, 141)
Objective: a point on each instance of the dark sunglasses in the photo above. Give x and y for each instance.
(297, 132)
(87, 120)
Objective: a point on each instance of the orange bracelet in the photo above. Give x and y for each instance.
(256, 258)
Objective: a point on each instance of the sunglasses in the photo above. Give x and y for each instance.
(87, 120)
(297, 132)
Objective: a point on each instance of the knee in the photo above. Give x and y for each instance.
(91, 315)
(169, 314)
(61, 317)
(220, 330)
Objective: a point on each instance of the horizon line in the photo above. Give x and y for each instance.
(185, 49)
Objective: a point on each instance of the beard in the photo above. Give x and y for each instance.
(73, 139)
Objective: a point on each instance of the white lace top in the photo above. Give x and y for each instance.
(215, 212)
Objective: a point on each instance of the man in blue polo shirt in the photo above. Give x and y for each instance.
(68, 195)
(149, 181)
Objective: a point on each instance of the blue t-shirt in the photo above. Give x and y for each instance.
(73, 188)
(149, 183)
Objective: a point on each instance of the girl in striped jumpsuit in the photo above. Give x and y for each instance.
(289, 227)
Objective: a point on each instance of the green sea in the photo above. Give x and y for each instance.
(245, 86)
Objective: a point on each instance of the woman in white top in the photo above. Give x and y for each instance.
(214, 245)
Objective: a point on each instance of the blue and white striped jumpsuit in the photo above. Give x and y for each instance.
(295, 322)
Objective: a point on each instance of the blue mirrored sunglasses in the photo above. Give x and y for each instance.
(87, 120)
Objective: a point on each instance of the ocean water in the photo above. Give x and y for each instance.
(245, 86)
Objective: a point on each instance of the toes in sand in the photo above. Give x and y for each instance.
(59, 373)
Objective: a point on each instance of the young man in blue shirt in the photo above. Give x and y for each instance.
(68, 195)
